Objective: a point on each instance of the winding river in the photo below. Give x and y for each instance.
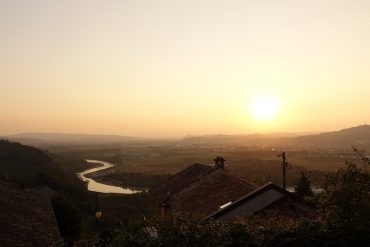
(92, 185)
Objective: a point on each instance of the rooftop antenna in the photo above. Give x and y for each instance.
(284, 165)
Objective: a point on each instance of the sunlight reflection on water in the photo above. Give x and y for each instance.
(92, 185)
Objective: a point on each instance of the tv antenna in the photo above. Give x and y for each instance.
(284, 165)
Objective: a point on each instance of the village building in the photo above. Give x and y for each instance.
(212, 192)
(268, 199)
(27, 218)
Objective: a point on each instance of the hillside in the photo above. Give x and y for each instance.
(252, 139)
(33, 167)
(345, 138)
(358, 136)
(34, 138)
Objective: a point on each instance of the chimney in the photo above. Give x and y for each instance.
(220, 162)
(217, 161)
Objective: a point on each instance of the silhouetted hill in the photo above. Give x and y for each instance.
(278, 138)
(33, 167)
(58, 138)
(29, 167)
(358, 136)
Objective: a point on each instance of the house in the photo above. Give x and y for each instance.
(26, 218)
(268, 199)
(200, 190)
(212, 192)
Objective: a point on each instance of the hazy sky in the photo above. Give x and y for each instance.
(171, 68)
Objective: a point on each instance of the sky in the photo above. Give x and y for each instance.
(173, 68)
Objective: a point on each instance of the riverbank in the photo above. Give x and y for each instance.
(130, 179)
(95, 186)
(108, 177)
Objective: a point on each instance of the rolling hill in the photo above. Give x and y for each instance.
(35, 138)
(30, 166)
(355, 136)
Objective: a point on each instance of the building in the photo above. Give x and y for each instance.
(268, 199)
(200, 190)
(26, 218)
(212, 192)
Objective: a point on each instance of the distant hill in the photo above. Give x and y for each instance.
(358, 136)
(248, 140)
(59, 138)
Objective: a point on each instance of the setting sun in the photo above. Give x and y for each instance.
(264, 107)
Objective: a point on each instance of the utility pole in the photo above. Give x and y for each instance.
(284, 164)
(96, 202)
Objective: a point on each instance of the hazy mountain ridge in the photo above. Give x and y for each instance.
(33, 138)
(344, 138)
(358, 136)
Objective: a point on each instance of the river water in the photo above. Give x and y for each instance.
(92, 185)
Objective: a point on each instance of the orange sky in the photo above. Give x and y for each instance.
(171, 68)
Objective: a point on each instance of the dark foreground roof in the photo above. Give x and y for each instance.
(26, 218)
(288, 205)
(200, 190)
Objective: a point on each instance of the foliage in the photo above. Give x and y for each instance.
(134, 179)
(304, 186)
(365, 159)
(118, 209)
(345, 201)
(29, 166)
(341, 218)
(68, 217)
(185, 231)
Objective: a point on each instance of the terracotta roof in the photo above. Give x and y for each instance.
(200, 190)
(289, 205)
(180, 180)
(26, 218)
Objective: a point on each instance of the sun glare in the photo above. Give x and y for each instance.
(264, 107)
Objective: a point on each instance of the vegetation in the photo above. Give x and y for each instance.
(340, 218)
(346, 199)
(32, 167)
(73, 205)
(68, 217)
(118, 209)
(304, 186)
(132, 179)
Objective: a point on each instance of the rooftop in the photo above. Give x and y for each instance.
(200, 190)
(287, 205)
(27, 218)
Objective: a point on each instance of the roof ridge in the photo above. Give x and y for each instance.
(240, 178)
(183, 171)
(198, 179)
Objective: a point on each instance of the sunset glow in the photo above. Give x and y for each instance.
(173, 68)
(264, 107)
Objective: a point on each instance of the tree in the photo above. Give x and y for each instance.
(345, 204)
(68, 217)
(304, 186)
